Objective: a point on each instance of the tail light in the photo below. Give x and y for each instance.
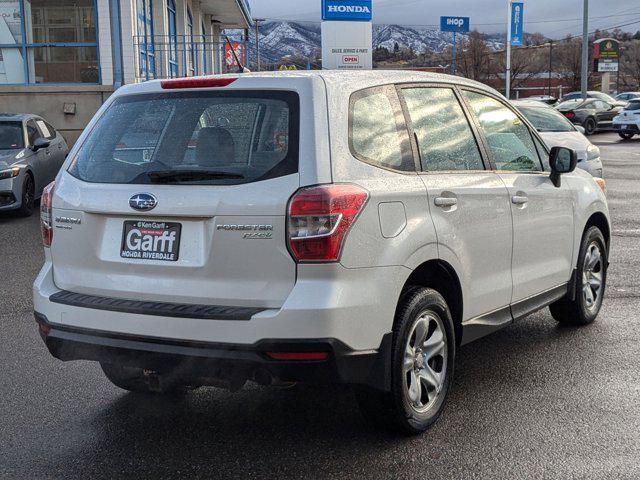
(570, 115)
(46, 215)
(203, 82)
(319, 219)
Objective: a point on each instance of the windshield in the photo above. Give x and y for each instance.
(546, 119)
(11, 136)
(632, 105)
(207, 138)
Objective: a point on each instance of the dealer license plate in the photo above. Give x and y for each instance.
(150, 240)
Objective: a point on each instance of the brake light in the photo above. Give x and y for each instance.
(570, 115)
(46, 214)
(298, 355)
(196, 82)
(319, 219)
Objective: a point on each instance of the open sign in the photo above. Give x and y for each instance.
(350, 59)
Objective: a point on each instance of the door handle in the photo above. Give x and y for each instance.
(445, 201)
(519, 199)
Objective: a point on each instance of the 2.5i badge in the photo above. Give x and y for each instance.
(146, 240)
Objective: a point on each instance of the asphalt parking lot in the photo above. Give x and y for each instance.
(532, 401)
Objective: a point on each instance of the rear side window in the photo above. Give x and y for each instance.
(377, 133)
(509, 139)
(209, 138)
(444, 135)
(46, 130)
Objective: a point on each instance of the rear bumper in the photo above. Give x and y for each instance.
(627, 127)
(194, 361)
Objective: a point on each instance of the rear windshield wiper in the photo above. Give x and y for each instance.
(167, 176)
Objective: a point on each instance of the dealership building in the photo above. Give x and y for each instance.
(62, 58)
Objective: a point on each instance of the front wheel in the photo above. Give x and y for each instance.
(590, 126)
(28, 196)
(422, 365)
(591, 279)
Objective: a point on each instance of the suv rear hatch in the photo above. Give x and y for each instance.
(180, 196)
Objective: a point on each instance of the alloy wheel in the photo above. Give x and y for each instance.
(425, 362)
(592, 277)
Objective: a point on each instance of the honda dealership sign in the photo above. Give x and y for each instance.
(350, 11)
(346, 34)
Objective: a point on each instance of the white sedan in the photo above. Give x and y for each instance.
(557, 131)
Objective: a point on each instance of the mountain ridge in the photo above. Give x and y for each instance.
(280, 39)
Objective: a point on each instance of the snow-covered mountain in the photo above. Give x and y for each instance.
(279, 39)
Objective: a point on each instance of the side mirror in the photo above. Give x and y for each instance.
(40, 143)
(580, 128)
(562, 160)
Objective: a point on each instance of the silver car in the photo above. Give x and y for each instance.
(557, 131)
(31, 154)
(326, 227)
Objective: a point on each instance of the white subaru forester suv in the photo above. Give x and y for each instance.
(352, 227)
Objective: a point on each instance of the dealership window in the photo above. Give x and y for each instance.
(205, 66)
(189, 46)
(146, 39)
(173, 39)
(48, 41)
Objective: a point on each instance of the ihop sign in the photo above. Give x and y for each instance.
(346, 10)
(454, 24)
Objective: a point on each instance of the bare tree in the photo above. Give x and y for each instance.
(568, 61)
(630, 65)
(473, 57)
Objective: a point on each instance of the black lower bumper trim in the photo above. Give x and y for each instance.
(195, 360)
(164, 309)
(627, 128)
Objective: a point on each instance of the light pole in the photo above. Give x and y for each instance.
(585, 50)
(507, 75)
(257, 24)
(621, 49)
(550, 64)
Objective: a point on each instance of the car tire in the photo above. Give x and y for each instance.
(138, 380)
(27, 200)
(590, 125)
(422, 365)
(626, 136)
(591, 280)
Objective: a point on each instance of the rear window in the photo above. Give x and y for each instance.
(633, 105)
(11, 136)
(208, 138)
(546, 119)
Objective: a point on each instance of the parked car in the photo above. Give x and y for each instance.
(549, 100)
(31, 154)
(593, 94)
(625, 97)
(592, 114)
(330, 226)
(557, 131)
(627, 122)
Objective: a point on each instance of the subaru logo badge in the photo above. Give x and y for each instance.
(143, 201)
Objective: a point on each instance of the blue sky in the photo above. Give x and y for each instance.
(554, 18)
